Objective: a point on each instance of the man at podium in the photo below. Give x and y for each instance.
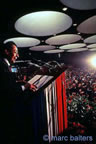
(11, 95)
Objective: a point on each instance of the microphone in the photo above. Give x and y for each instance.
(46, 64)
(19, 61)
(55, 62)
(33, 64)
(38, 61)
(51, 66)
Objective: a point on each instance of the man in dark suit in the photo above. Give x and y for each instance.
(11, 97)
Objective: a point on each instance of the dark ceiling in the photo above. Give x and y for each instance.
(9, 13)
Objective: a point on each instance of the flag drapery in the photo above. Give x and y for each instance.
(56, 106)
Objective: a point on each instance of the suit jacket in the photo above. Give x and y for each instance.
(8, 86)
(11, 101)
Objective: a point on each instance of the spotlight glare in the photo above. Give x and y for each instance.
(93, 61)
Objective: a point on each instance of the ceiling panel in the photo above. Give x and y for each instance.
(54, 51)
(24, 41)
(88, 26)
(80, 4)
(92, 46)
(72, 46)
(42, 48)
(91, 39)
(77, 50)
(43, 23)
(63, 39)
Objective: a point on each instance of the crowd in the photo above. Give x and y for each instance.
(81, 95)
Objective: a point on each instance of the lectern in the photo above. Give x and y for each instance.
(47, 110)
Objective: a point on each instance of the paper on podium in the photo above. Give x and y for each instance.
(40, 80)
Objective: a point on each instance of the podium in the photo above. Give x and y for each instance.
(47, 110)
(40, 80)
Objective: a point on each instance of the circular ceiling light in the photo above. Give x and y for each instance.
(43, 23)
(63, 39)
(80, 4)
(53, 51)
(77, 50)
(24, 41)
(73, 46)
(42, 48)
(88, 26)
(91, 39)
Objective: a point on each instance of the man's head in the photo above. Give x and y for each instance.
(10, 51)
